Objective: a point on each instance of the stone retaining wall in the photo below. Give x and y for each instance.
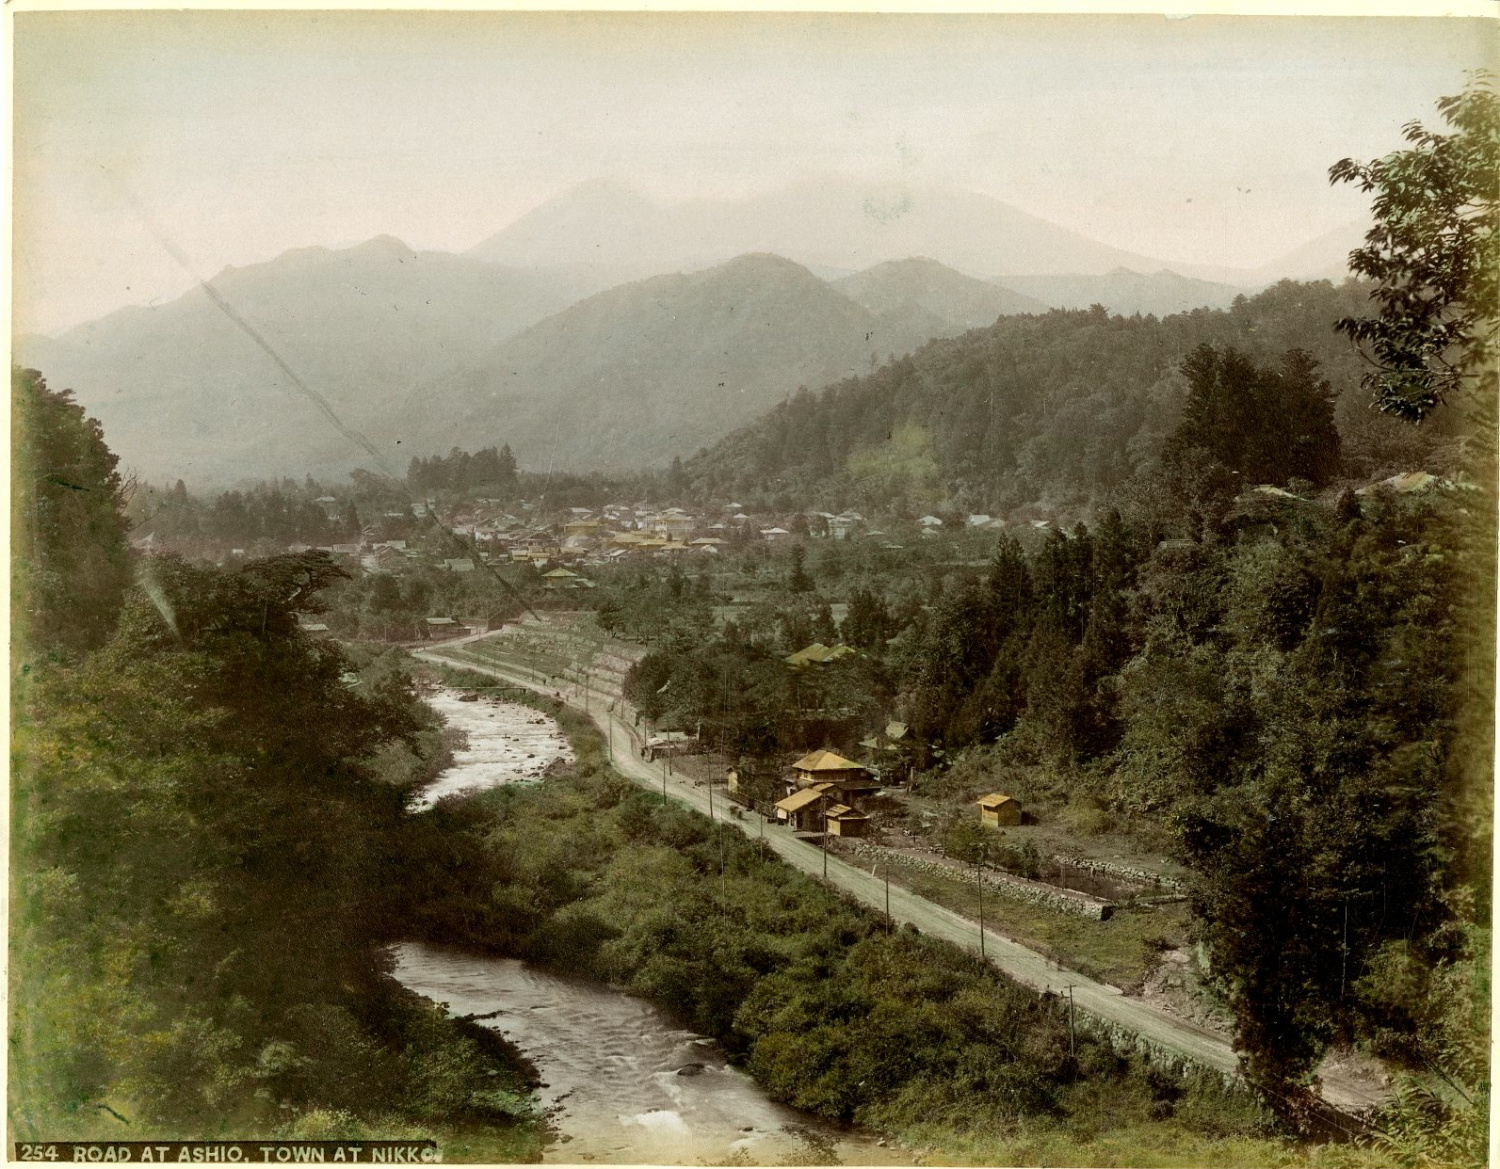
(1124, 872)
(1038, 892)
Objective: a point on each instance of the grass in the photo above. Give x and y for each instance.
(1103, 1123)
(1120, 951)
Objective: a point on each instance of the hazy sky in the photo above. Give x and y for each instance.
(1202, 140)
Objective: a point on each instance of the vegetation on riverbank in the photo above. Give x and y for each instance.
(589, 873)
(206, 801)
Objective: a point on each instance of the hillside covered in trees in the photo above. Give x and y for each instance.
(1055, 411)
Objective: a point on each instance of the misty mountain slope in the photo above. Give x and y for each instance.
(181, 390)
(830, 222)
(1126, 292)
(898, 286)
(1053, 410)
(640, 373)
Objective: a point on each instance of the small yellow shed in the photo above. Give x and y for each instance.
(843, 820)
(997, 809)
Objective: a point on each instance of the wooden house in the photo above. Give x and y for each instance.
(444, 627)
(803, 810)
(999, 810)
(852, 780)
(561, 578)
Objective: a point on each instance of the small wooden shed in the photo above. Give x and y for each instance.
(998, 809)
(845, 821)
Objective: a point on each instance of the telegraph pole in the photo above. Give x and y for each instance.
(1070, 1020)
(979, 874)
(825, 844)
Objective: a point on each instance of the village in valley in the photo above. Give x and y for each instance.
(880, 675)
(574, 598)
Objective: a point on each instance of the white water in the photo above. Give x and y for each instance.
(610, 1064)
(506, 743)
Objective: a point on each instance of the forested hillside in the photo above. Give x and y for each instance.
(1054, 410)
(640, 373)
(207, 803)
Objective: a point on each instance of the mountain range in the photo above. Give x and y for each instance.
(182, 391)
(658, 368)
(830, 222)
(601, 329)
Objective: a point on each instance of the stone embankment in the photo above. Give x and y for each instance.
(1123, 872)
(1038, 892)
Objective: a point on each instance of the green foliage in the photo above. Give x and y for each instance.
(827, 1010)
(266, 517)
(1435, 254)
(1060, 409)
(1263, 425)
(486, 471)
(69, 554)
(201, 856)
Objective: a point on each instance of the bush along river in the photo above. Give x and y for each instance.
(620, 1081)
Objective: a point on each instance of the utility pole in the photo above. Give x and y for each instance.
(1070, 1020)
(663, 781)
(825, 844)
(888, 899)
(979, 882)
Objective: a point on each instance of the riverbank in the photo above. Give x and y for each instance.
(810, 994)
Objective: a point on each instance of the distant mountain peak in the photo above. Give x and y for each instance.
(383, 243)
(838, 222)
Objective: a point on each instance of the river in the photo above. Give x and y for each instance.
(504, 742)
(622, 1082)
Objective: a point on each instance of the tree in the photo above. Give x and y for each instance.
(1266, 425)
(1435, 252)
(71, 555)
(191, 799)
(798, 581)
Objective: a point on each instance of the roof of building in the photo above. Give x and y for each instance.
(1403, 483)
(441, 621)
(818, 653)
(558, 574)
(845, 812)
(896, 730)
(824, 760)
(995, 799)
(799, 800)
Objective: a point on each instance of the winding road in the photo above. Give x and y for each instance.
(1100, 1000)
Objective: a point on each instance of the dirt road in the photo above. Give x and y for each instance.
(1106, 1003)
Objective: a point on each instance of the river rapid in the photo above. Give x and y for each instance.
(622, 1083)
(504, 742)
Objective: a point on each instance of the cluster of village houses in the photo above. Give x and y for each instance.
(829, 794)
(586, 537)
(562, 547)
